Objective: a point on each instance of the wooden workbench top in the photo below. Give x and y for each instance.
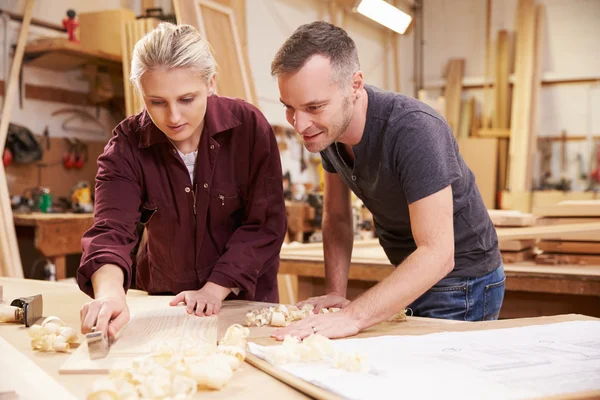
(64, 300)
(23, 218)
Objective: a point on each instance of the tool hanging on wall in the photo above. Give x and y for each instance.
(82, 116)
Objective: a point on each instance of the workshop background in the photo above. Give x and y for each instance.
(518, 81)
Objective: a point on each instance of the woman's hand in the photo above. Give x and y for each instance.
(107, 313)
(204, 302)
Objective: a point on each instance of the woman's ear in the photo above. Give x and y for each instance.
(212, 85)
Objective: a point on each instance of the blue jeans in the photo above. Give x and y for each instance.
(465, 299)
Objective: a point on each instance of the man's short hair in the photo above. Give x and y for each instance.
(322, 38)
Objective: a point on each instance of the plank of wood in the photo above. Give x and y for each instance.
(559, 258)
(494, 132)
(218, 25)
(466, 118)
(480, 155)
(453, 92)
(511, 218)
(509, 257)
(502, 164)
(516, 245)
(486, 112)
(10, 258)
(544, 221)
(570, 208)
(501, 117)
(549, 232)
(540, 29)
(555, 246)
(522, 93)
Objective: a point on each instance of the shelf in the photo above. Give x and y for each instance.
(62, 55)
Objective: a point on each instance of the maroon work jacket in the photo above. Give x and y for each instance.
(226, 227)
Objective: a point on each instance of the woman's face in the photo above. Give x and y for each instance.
(176, 101)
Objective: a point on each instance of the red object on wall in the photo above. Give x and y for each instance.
(7, 157)
(71, 24)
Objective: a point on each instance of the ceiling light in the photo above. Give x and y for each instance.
(385, 14)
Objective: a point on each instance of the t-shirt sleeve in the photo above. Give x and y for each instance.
(327, 165)
(425, 155)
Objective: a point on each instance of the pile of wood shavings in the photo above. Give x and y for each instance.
(315, 348)
(176, 370)
(282, 315)
(52, 335)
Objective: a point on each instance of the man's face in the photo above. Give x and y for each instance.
(315, 105)
(176, 100)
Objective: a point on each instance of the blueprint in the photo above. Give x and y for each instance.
(513, 363)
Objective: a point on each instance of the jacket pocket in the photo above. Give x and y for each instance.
(147, 211)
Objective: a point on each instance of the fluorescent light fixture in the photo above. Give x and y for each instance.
(386, 14)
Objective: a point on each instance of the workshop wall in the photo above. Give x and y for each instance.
(456, 29)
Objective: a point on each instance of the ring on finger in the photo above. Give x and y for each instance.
(314, 329)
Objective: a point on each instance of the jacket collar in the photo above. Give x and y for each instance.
(218, 118)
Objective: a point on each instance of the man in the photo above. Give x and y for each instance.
(402, 160)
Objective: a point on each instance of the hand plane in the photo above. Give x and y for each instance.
(24, 310)
(98, 344)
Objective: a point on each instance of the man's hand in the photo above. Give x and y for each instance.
(327, 301)
(107, 314)
(334, 325)
(204, 302)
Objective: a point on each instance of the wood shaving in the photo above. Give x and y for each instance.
(175, 370)
(282, 315)
(315, 348)
(52, 335)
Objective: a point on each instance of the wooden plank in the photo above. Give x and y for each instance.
(10, 258)
(540, 29)
(509, 257)
(53, 94)
(559, 258)
(466, 118)
(61, 54)
(555, 246)
(486, 112)
(570, 208)
(218, 25)
(494, 132)
(480, 155)
(502, 164)
(511, 218)
(453, 92)
(549, 232)
(522, 93)
(560, 221)
(516, 245)
(501, 116)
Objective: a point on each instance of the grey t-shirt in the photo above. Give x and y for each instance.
(408, 152)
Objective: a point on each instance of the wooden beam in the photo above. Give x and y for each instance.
(522, 97)
(452, 94)
(501, 117)
(487, 90)
(10, 259)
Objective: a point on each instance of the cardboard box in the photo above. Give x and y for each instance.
(101, 30)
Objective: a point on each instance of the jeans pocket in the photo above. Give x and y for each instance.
(492, 300)
(448, 302)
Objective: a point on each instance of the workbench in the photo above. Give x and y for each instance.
(64, 300)
(55, 235)
(531, 290)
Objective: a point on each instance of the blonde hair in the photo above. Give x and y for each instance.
(172, 46)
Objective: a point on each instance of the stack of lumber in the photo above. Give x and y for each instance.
(573, 247)
(514, 250)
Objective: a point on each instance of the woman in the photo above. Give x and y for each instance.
(202, 173)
